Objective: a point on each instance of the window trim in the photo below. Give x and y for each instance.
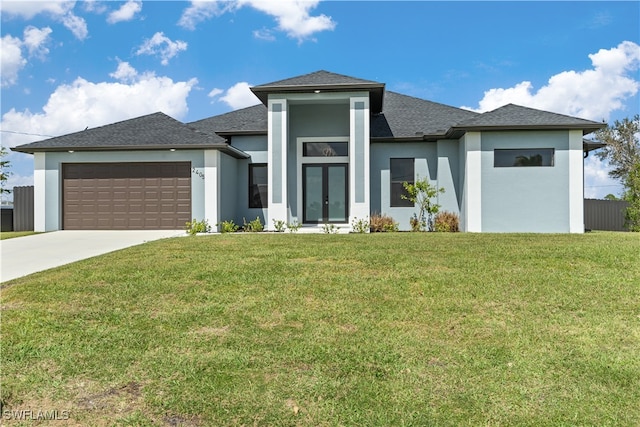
(263, 203)
(399, 202)
(543, 152)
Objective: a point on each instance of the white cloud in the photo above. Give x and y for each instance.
(293, 16)
(162, 46)
(11, 59)
(215, 92)
(61, 11)
(29, 9)
(592, 94)
(237, 96)
(77, 25)
(200, 11)
(94, 6)
(73, 107)
(126, 12)
(264, 34)
(35, 40)
(125, 73)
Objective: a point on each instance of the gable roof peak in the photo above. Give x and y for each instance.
(316, 78)
(324, 81)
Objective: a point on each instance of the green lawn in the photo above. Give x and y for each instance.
(392, 329)
(12, 234)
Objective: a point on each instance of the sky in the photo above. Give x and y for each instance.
(70, 65)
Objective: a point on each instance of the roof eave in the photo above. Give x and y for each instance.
(585, 128)
(225, 148)
(227, 133)
(377, 89)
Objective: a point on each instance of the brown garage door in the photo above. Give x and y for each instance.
(126, 196)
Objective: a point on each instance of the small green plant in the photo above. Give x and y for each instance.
(329, 229)
(228, 227)
(446, 221)
(279, 225)
(252, 226)
(194, 227)
(421, 193)
(382, 223)
(294, 226)
(360, 225)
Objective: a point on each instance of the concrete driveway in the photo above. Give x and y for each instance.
(25, 255)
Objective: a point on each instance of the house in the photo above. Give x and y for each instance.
(320, 148)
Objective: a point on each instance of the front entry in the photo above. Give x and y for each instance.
(325, 193)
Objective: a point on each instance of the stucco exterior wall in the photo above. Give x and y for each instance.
(228, 189)
(526, 199)
(311, 121)
(48, 179)
(426, 165)
(256, 147)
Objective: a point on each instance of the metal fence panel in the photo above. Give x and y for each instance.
(23, 208)
(604, 214)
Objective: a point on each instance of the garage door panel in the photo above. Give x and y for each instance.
(126, 195)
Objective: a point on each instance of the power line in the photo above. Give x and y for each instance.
(26, 133)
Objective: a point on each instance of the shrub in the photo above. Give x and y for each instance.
(329, 229)
(416, 224)
(294, 226)
(380, 223)
(228, 227)
(446, 222)
(252, 226)
(279, 225)
(194, 227)
(360, 225)
(420, 193)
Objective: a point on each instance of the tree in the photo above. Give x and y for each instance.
(623, 153)
(4, 173)
(421, 193)
(632, 195)
(623, 147)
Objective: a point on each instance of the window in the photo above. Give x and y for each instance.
(325, 149)
(523, 157)
(258, 185)
(402, 170)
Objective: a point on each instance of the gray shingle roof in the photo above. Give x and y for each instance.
(247, 120)
(318, 78)
(150, 132)
(513, 116)
(408, 117)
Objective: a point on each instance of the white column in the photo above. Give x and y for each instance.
(277, 158)
(39, 193)
(473, 182)
(576, 182)
(212, 187)
(359, 159)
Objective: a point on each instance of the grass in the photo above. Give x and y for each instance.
(326, 330)
(13, 234)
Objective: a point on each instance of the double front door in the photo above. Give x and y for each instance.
(325, 193)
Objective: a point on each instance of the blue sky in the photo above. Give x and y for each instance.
(69, 65)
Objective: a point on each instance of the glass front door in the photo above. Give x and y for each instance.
(324, 193)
